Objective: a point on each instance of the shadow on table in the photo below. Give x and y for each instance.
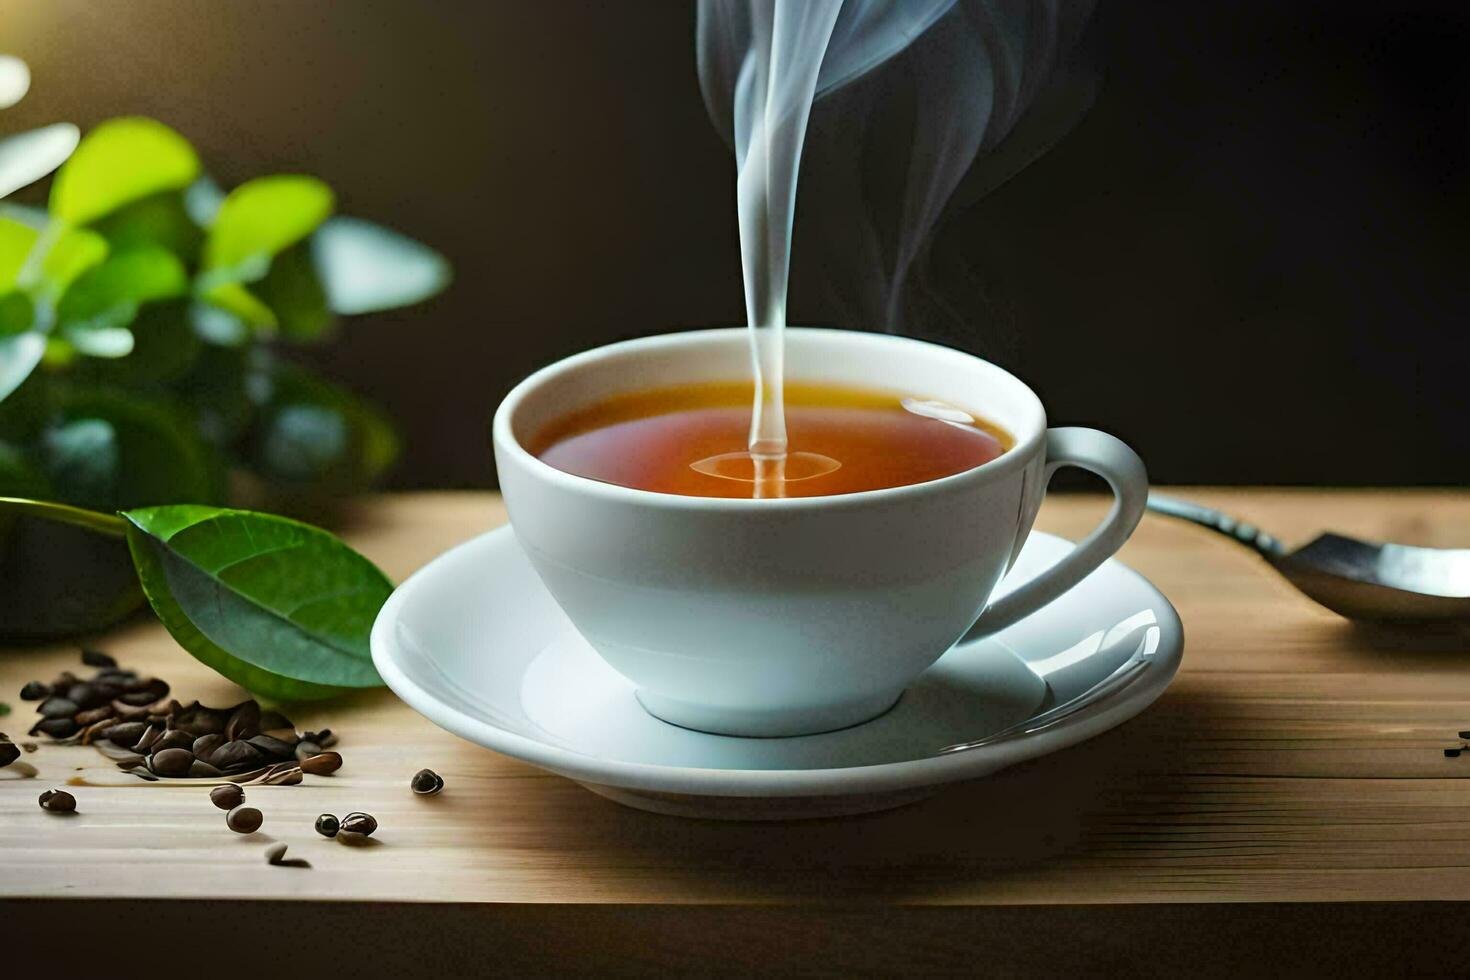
(979, 831)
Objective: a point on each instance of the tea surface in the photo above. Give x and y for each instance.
(691, 440)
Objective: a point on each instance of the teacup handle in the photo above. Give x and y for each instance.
(1111, 459)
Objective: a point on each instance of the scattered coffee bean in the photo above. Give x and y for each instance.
(58, 707)
(28, 746)
(323, 764)
(87, 695)
(327, 825)
(55, 727)
(93, 716)
(352, 837)
(272, 748)
(323, 738)
(244, 820)
(244, 721)
(227, 796)
(134, 723)
(239, 756)
(174, 739)
(171, 762)
(9, 752)
(1451, 753)
(146, 693)
(360, 823)
(276, 853)
(203, 747)
(284, 777)
(426, 782)
(96, 658)
(58, 801)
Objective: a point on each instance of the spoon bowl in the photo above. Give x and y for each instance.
(1360, 580)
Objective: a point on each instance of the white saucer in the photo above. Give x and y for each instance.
(474, 643)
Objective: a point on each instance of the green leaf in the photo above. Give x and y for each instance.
(16, 242)
(157, 221)
(63, 571)
(295, 296)
(17, 313)
(261, 218)
(121, 161)
(109, 450)
(365, 267)
(312, 435)
(240, 303)
(281, 608)
(74, 251)
(19, 356)
(27, 157)
(109, 295)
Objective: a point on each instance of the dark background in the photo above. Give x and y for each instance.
(1249, 260)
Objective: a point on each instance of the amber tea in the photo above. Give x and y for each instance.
(692, 439)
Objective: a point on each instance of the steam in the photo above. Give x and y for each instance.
(960, 74)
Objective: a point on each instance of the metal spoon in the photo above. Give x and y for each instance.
(1386, 583)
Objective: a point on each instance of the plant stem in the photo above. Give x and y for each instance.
(92, 520)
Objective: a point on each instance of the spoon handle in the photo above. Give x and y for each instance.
(1237, 531)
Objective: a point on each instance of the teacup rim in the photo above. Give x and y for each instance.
(504, 439)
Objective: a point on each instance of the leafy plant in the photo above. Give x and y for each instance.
(144, 314)
(282, 608)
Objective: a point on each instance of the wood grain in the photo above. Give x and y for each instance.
(1295, 759)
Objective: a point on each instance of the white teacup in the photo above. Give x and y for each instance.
(798, 615)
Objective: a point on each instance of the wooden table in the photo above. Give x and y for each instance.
(1289, 789)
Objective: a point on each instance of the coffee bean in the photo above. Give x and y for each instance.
(96, 658)
(58, 707)
(244, 721)
(324, 738)
(286, 777)
(146, 692)
(352, 837)
(87, 695)
(29, 746)
(360, 823)
(92, 717)
(276, 853)
(34, 691)
(244, 820)
(272, 748)
(237, 753)
(171, 762)
(174, 739)
(126, 734)
(64, 680)
(204, 746)
(199, 720)
(327, 825)
(9, 752)
(56, 727)
(323, 764)
(150, 735)
(227, 797)
(305, 750)
(426, 782)
(199, 769)
(58, 801)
